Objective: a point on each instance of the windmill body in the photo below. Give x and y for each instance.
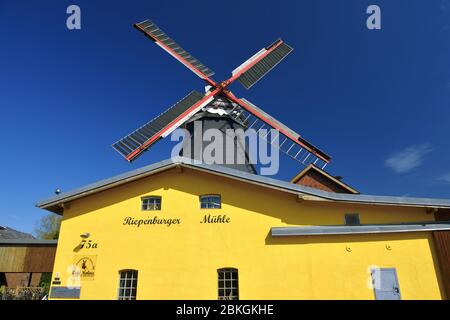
(217, 115)
(220, 109)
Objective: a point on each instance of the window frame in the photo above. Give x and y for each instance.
(201, 197)
(234, 291)
(352, 215)
(123, 296)
(148, 198)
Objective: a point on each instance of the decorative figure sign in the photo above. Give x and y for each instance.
(85, 267)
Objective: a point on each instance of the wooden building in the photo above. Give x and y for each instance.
(442, 243)
(317, 178)
(23, 259)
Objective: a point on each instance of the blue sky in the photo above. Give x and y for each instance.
(378, 101)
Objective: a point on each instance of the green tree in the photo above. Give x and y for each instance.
(48, 227)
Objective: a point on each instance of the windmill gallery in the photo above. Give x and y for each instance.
(185, 228)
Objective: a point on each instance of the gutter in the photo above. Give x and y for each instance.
(361, 229)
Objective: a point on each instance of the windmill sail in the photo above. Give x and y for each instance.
(287, 140)
(132, 145)
(242, 111)
(164, 41)
(252, 70)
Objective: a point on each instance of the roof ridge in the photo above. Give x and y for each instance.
(148, 170)
(10, 233)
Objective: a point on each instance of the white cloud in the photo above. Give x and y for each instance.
(407, 159)
(445, 178)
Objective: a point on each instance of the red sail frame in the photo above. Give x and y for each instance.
(172, 125)
(176, 55)
(304, 144)
(217, 88)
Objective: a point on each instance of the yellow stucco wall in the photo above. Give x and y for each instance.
(181, 261)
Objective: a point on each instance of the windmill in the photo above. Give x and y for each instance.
(219, 107)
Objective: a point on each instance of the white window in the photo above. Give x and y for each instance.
(151, 203)
(228, 284)
(210, 201)
(128, 284)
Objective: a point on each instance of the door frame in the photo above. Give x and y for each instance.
(396, 278)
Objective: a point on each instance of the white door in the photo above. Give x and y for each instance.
(385, 284)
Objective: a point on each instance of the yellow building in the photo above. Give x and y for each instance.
(177, 230)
